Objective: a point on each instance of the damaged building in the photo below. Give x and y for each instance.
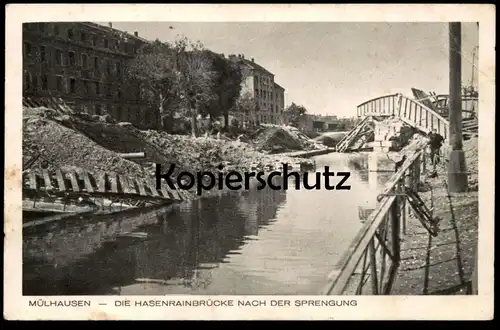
(83, 64)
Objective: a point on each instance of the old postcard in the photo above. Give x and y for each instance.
(263, 162)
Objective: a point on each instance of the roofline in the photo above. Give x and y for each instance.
(281, 87)
(108, 29)
(256, 66)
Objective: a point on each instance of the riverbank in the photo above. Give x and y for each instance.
(55, 140)
(442, 264)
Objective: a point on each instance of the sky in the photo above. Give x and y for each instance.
(331, 67)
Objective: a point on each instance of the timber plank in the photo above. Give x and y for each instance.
(140, 185)
(46, 179)
(127, 189)
(114, 182)
(176, 193)
(86, 179)
(60, 180)
(74, 181)
(32, 181)
(100, 179)
(152, 187)
(165, 191)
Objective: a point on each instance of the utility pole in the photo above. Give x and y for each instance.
(457, 169)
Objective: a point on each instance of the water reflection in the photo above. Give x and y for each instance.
(253, 242)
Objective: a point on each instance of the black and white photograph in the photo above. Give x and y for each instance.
(244, 158)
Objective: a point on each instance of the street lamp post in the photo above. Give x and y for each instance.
(457, 169)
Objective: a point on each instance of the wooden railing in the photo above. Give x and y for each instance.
(412, 112)
(370, 264)
(380, 106)
(74, 184)
(469, 106)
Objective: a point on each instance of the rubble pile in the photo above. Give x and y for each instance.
(330, 139)
(277, 139)
(93, 143)
(56, 146)
(206, 153)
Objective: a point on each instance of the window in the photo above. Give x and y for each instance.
(96, 63)
(119, 92)
(118, 112)
(109, 90)
(28, 50)
(58, 57)
(45, 82)
(83, 37)
(70, 34)
(59, 83)
(108, 67)
(86, 87)
(72, 85)
(117, 45)
(42, 53)
(106, 43)
(97, 88)
(85, 60)
(27, 81)
(41, 27)
(118, 68)
(72, 59)
(94, 40)
(34, 82)
(57, 29)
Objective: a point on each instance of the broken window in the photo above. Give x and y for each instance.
(28, 50)
(72, 58)
(72, 85)
(85, 61)
(42, 53)
(59, 83)
(45, 82)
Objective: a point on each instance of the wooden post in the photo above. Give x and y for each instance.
(373, 266)
(475, 288)
(395, 223)
(457, 171)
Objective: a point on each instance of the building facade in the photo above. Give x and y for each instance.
(259, 85)
(83, 63)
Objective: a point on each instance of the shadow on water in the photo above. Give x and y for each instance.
(250, 242)
(71, 258)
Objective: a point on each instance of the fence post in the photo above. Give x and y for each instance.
(395, 223)
(402, 206)
(400, 101)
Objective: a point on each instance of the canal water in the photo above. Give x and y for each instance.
(241, 243)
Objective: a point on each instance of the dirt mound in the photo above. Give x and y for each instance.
(205, 153)
(51, 145)
(275, 139)
(69, 140)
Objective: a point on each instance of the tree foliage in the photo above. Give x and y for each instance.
(246, 107)
(294, 113)
(153, 71)
(185, 76)
(226, 86)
